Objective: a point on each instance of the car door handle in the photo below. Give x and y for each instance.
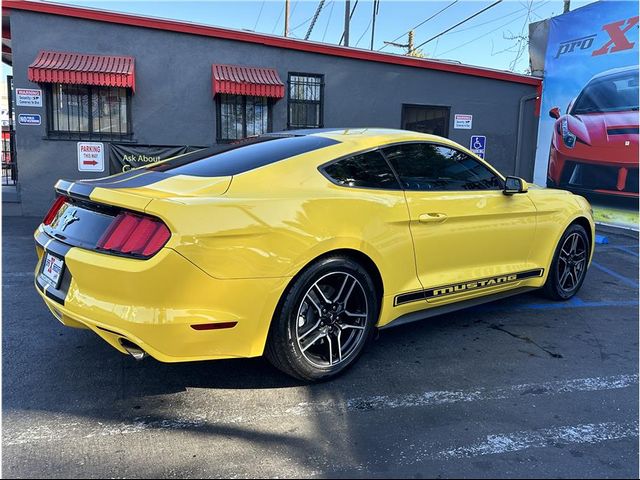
(432, 218)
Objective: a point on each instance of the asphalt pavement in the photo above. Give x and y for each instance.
(522, 387)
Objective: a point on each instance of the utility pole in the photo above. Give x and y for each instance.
(567, 5)
(376, 7)
(286, 18)
(347, 14)
(408, 45)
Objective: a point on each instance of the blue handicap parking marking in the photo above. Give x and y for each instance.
(478, 145)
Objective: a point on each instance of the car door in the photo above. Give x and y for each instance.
(469, 237)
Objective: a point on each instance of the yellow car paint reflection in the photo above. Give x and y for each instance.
(237, 242)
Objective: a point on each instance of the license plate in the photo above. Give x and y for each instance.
(52, 269)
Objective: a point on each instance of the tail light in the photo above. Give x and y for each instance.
(137, 235)
(55, 207)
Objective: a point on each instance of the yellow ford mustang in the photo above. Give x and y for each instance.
(298, 245)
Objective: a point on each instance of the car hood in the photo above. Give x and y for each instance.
(605, 129)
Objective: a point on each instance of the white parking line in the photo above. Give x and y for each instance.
(514, 442)
(17, 274)
(87, 428)
(432, 398)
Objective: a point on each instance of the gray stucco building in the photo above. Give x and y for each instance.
(144, 88)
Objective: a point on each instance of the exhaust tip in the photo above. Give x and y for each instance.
(132, 349)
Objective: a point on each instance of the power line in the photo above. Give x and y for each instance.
(259, 15)
(522, 41)
(301, 24)
(491, 31)
(421, 23)
(328, 20)
(515, 12)
(273, 30)
(459, 23)
(363, 33)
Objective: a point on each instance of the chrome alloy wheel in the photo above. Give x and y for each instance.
(572, 262)
(331, 319)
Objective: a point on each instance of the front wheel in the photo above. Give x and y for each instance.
(569, 265)
(324, 320)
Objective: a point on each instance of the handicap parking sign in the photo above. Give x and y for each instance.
(478, 144)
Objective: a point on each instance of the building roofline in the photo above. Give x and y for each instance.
(263, 39)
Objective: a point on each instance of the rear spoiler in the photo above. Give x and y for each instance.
(74, 189)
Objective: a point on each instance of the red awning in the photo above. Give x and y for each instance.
(237, 80)
(81, 69)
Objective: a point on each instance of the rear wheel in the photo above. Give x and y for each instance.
(569, 265)
(324, 320)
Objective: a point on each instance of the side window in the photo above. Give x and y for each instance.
(366, 170)
(424, 166)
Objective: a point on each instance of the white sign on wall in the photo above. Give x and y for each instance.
(28, 97)
(90, 157)
(463, 121)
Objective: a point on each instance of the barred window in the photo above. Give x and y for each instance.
(305, 109)
(241, 116)
(88, 111)
(426, 119)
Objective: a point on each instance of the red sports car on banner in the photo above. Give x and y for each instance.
(594, 147)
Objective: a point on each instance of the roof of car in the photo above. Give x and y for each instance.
(615, 71)
(357, 134)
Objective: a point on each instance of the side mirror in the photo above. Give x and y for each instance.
(513, 185)
(554, 113)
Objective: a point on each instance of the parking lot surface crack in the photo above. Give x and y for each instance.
(525, 339)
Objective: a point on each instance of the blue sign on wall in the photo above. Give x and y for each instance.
(478, 144)
(29, 119)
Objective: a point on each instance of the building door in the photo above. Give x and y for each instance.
(426, 119)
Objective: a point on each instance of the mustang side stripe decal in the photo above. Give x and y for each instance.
(450, 289)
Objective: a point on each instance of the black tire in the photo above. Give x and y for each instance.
(299, 319)
(560, 285)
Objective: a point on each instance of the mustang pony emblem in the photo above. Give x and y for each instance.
(68, 218)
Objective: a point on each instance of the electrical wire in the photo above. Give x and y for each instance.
(364, 33)
(459, 23)
(259, 15)
(326, 27)
(273, 30)
(492, 31)
(421, 23)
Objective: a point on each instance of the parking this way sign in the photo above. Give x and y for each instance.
(478, 144)
(90, 157)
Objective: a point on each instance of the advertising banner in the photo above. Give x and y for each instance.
(125, 156)
(588, 131)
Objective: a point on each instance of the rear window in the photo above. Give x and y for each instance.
(366, 170)
(227, 160)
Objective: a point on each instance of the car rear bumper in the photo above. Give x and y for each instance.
(156, 303)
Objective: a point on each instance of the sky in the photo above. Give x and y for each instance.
(495, 38)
